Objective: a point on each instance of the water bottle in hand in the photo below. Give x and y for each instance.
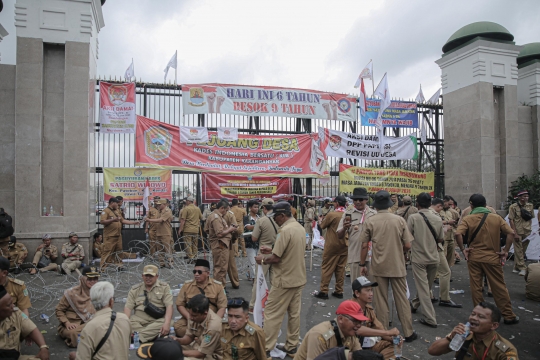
(172, 332)
(458, 339)
(398, 346)
(136, 342)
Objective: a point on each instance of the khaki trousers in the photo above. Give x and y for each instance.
(495, 278)
(385, 348)
(180, 327)
(520, 249)
(148, 330)
(424, 275)
(281, 301)
(191, 241)
(444, 277)
(241, 245)
(70, 266)
(220, 257)
(380, 297)
(112, 246)
(232, 270)
(51, 267)
(71, 336)
(333, 264)
(449, 252)
(268, 277)
(163, 247)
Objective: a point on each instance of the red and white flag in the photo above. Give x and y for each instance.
(146, 194)
(261, 295)
(367, 73)
(363, 99)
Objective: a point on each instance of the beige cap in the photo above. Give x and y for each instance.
(150, 270)
(407, 199)
(267, 201)
(162, 201)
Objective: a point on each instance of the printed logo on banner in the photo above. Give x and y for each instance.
(137, 172)
(196, 96)
(118, 94)
(158, 142)
(344, 105)
(335, 142)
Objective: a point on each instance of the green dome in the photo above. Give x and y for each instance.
(486, 29)
(529, 52)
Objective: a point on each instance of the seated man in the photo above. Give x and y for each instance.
(48, 251)
(341, 353)
(98, 249)
(483, 339)
(373, 335)
(73, 255)
(203, 284)
(241, 338)
(338, 332)
(203, 334)
(17, 254)
(16, 326)
(152, 302)
(15, 287)
(532, 282)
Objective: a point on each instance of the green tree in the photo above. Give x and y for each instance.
(525, 182)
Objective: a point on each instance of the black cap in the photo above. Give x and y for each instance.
(381, 200)
(162, 349)
(90, 272)
(359, 193)
(280, 208)
(362, 282)
(340, 199)
(202, 262)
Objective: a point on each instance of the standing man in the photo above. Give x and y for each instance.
(164, 242)
(484, 255)
(309, 217)
(47, 250)
(15, 287)
(289, 279)
(150, 228)
(521, 214)
(239, 213)
(112, 220)
(334, 256)
(190, 224)
(323, 211)
(232, 270)
(249, 222)
(73, 255)
(219, 235)
(390, 237)
(395, 203)
(408, 209)
(450, 219)
(351, 225)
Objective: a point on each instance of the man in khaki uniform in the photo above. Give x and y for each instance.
(450, 218)
(73, 254)
(322, 337)
(153, 291)
(334, 256)
(98, 249)
(288, 279)
(219, 235)
(241, 339)
(395, 203)
(190, 223)
(203, 284)
(484, 255)
(150, 228)
(390, 237)
(17, 254)
(117, 344)
(48, 250)
(203, 336)
(309, 216)
(15, 287)
(232, 270)
(323, 211)
(532, 282)
(264, 233)
(522, 229)
(239, 213)
(15, 326)
(164, 243)
(408, 209)
(351, 225)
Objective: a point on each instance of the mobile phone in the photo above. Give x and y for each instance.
(348, 217)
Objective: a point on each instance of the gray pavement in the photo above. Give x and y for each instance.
(47, 289)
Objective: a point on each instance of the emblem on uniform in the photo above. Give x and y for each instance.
(157, 143)
(207, 338)
(196, 96)
(241, 345)
(25, 292)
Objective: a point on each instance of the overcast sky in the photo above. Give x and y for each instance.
(321, 45)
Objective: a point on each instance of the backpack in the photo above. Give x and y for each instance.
(6, 224)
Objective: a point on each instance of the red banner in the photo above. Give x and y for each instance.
(158, 146)
(216, 187)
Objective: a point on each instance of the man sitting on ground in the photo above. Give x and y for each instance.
(15, 287)
(17, 254)
(45, 252)
(73, 254)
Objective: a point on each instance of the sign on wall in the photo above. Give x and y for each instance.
(117, 108)
(130, 182)
(400, 114)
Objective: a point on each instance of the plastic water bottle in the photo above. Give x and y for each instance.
(136, 342)
(45, 211)
(44, 317)
(457, 292)
(458, 340)
(307, 238)
(398, 352)
(51, 211)
(78, 339)
(171, 331)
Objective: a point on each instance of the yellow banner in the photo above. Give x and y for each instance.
(395, 181)
(130, 183)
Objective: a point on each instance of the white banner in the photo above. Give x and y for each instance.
(193, 134)
(348, 145)
(261, 295)
(117, 108)
(227, 133)
(533, 250)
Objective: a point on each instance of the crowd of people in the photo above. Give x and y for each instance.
(373, 244)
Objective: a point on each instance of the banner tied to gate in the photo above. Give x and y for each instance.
(400, 114)
(215, 187)
(267, 101)
(117, 108)
(130, 183)
(397, 181)
(158, 145)
(366, 147)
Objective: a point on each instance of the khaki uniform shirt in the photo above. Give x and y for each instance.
(14, 329)
(394, 208)
(321, 338)
(216, 225)
(208, 334)
(159, 295)
(309, 216)
(290, 272)
(514, 213)
(468, 210)
(407, 211)
(369, 312)
(53, 251)
(487, 242)
(294, 213)
(425, 249)
(192, 215)
(114, 228)
(116, 346)
(265, 231)
(19, 251)
(98, 249)
(153, 213)
(213, 290)
(206, 213)
(532, 282)
(164, 228)
(388, 233)
(447, 215)
(499, 348)
(18, 291)
(76, 251)
(333, 246)
(248, 343)
(239, 214)
(323, 211)
(64, 313)
(358, 219)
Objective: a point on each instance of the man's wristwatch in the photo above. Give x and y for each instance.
(362, 265)
(262, 261)
(44, 347)
(449, 337)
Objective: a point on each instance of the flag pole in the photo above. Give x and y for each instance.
(372, 79)
(175, 78)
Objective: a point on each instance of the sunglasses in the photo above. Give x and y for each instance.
(198, 272)
(235, 302)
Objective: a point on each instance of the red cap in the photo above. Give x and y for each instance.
(351, 308)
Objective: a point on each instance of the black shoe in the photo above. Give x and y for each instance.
(17, 271)
(512, 322)
(490, 294)
(291, 353)
(413, 310)
(436, 281)
(449, 303)
(424, 322)
(411, 338)
(322, 295)
(434, 300)
(268, 354)
(339, 296)
(236, 287)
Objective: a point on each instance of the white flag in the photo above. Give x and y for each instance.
(227, 133)
(261, 295)
(146, 194)
(435, 98)
(383, 92)
(193, 134)
(362, 99)
(130, 72)
(171, 64)
(420, 97)
(367, 73)
(423, 130)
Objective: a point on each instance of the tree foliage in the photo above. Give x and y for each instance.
(525, 182)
